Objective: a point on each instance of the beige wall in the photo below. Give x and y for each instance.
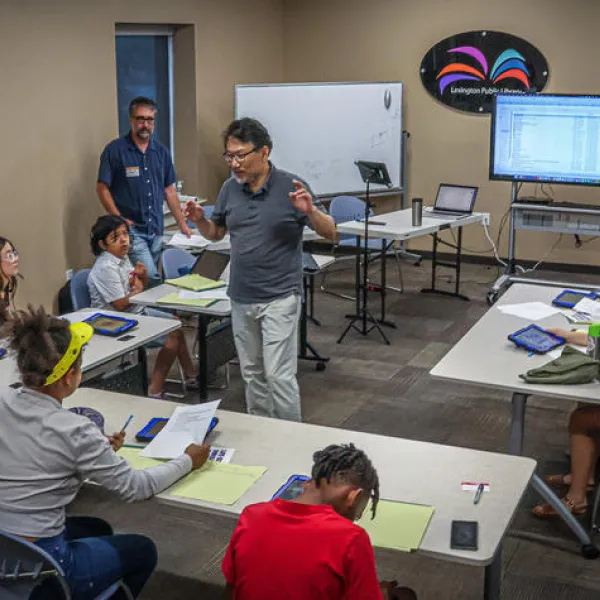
(58, 99)
(354, 40)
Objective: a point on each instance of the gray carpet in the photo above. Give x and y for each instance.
(372, 387)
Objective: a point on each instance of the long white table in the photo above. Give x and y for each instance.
(102, 349)
(484, 356)
(409, 471)
(204, 314)
(397, 226)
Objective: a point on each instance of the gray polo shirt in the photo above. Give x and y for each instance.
(48, 451)
(266, 238)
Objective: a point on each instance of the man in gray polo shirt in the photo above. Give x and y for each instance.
(265, 210)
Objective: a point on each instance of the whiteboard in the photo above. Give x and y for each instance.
(319, 130)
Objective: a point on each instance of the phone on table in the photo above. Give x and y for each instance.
(463, 535)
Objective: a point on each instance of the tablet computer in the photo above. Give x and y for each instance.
(535, 339)
(569, 298)
(155, 426)
(292, 488)
(110, 324)
(2, 353)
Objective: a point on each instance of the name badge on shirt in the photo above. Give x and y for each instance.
(132, 171)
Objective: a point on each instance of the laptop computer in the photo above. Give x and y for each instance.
(454, 201)
(210, 264)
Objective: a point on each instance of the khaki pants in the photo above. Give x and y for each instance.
(266, 340)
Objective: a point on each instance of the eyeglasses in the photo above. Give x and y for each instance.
(142, 120)
(11, 257)
(240, 157)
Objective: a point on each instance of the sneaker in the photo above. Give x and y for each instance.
(161, 396)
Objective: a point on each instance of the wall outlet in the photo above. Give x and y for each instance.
(69, 274)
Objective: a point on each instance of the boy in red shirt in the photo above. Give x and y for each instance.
(309, 548)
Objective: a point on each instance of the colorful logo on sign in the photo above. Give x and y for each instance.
(457, 70)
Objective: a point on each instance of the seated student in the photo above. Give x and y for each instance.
(112, 282)
(309, 548)
(9, 271)
(47, 451)
(584, 430)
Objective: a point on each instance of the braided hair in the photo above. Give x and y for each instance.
(348, 464)
(39, 341)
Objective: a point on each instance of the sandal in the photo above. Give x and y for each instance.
(559, 481)
(546, 511)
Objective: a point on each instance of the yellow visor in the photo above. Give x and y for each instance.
(81, 334)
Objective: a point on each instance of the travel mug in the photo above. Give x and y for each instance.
(417, 212)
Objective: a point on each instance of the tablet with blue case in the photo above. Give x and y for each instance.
(110, 324)
(535, 339)
(569, 298)
(292, 488)
(155, 426)
(2, 352)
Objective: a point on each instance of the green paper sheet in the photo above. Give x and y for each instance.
(175, 299)
(196, 283)
(132, 456)
(221, 483)
(397, 525)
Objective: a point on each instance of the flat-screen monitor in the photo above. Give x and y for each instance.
(546, 138)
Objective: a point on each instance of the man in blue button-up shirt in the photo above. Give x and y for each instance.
(136, 176)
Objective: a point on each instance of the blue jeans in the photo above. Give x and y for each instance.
(93, 559)
(146, 249)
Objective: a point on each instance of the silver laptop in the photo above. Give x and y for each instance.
(454, 201)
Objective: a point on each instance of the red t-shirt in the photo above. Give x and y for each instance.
(284, 550)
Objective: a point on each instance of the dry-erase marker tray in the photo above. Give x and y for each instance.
(110, 324)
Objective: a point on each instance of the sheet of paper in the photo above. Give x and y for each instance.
(217, 294)
(591, 307)
(187, 425)
(532, 311)
(195, 283)
(397, 525)
(222, 455)
(132, 456)
(175, 299)
(218, 482)
(554, 354)
(195, 241)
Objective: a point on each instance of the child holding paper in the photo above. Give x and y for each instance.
(113, 281)
(47, 451)
(309, 547)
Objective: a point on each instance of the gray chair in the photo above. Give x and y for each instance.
(23, 566)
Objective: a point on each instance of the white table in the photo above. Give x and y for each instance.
(219, 309)
(484, 356)
(409, 471)
(398, 227)
(102, 349)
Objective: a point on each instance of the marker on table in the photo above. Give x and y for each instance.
(478, 493)
(129, 419)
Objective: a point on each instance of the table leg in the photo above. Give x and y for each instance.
(492, 582)
(143, 360)
(202, 358)
(517, 424)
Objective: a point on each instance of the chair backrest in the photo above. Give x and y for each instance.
(23, 566)
(174, 259)
(80, 294)
(347, 208)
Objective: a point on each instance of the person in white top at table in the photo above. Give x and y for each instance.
(111, 283)
(48, 451)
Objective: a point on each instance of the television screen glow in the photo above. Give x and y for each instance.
(546, 138)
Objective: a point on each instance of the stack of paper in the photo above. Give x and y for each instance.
(589, 307)
(175, 298)
(397, 525)
(216, 294)
(196, 283)
(532, 311)
(187, 425)
(183, 241)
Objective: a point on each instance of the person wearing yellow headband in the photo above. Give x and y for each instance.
(47, 451)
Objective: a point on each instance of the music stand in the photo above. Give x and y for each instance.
(377, 173)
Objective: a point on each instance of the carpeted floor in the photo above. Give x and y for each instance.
(371, 387)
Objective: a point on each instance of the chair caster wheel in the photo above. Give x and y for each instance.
(491, 298)
(589, 551)
(321, 366)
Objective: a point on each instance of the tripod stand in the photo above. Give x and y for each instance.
(371, 173)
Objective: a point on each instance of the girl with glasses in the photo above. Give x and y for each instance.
(9, 272)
